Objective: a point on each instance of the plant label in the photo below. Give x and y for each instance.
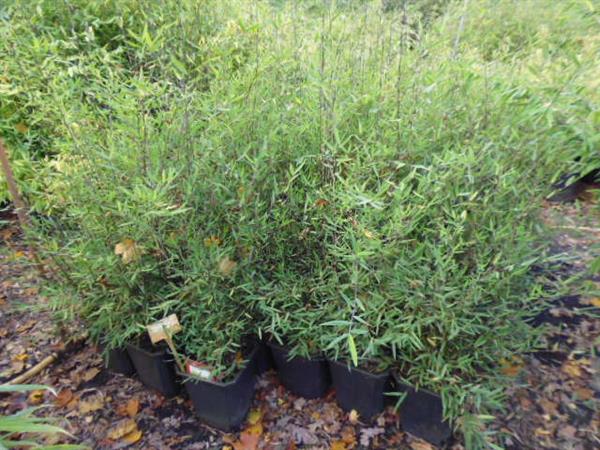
(198, 370)
(164, 329)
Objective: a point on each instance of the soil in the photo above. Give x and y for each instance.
(553, 402)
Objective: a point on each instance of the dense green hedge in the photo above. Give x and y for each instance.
(361, 180)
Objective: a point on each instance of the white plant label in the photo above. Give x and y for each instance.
(164, 328)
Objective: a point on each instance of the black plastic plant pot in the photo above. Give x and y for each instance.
(117, 361)
(308, 378)
(155, 368)
(421, 414)
(358, 389)
(224, 405)
(264, 359)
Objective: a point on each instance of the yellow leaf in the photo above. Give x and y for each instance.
(128, 250)
(254, 417)
(21, 357)
(121, 429)
(133, 437)
(91, 404)
(36, 397)
(368, 234)
(353, 417)
(130, 408)
(595, 302)
(21, 127)
(227, 266)
(338, 445)
(212, 241)
(572, 369)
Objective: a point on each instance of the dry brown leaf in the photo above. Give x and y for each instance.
(348, 436)
(584, 393)
(63, 398)
(36, 397)
(572, 369)
(549, 407)
(353, 417)
(90, 374)
(130, 408)
(91, 404)
(321, 202)
(121, 429)
(226, 266)
(212, 241)
(129, 250)
(133, 437)
(420, 445)
(511, 367)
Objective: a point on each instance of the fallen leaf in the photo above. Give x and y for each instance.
(21, 128)
(511, 367)
(63, 398)
(226, 266)
(90, 374)
(321, 202)
(121, 429)
(349, 436)
(91, 404)
(571, 368)
(567, 432)
(36, 397)
(584, 393)
(212, 241)
(249, 438)
(338, 445)
(549, 407)
(353, 417)
(130, 408)
(133, 437)
(369, 234)
(367, 435)
(420, 445)
(254, 417)
(595, 302)
(26, 326)
(21, 357)
(129, 250)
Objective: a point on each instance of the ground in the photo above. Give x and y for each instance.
(553, 402)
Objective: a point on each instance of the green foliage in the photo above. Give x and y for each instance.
(24, 429)
(358, 178)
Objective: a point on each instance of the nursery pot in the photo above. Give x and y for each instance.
(308, 378)
(117, 361)
(224, 405)
(421, 414)
(264, 359)
(155, 368)
(359, 389)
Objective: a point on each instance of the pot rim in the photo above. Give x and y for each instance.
(283, 349)
(345, 364)
(155, 353)
(414, 388)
